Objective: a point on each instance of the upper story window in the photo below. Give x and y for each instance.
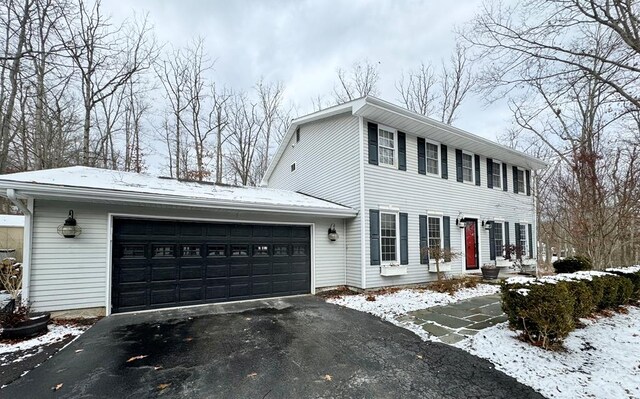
(386, 146)
(467, 167)
(433, 158)
(520, 181)
(388, 237)
(497, 175)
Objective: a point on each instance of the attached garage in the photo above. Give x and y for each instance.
(159, 263)
(147, 243)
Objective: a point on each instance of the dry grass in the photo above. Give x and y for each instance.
(452, 285)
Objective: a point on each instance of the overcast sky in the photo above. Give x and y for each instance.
(302, 43)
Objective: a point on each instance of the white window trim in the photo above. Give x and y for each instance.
(397, 216)
(524, 180)
(526, 239)
(435, 215)
(395, 145)
(501, 221)
(501, 177)
(473, 168)
(439, 158)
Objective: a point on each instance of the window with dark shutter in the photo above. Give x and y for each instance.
(444, 168)
(402, 151)
(477, 166)
(404, 239)
(374, 236)
(373, 143)
(504, 178)
(422, 166)
(424, 240)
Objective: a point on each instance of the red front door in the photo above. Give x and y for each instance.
(471, 244)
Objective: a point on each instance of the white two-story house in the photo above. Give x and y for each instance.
(415, 182)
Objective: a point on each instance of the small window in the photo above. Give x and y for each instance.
(523, 240)
(190, 250)
(467, 167)
(388, 237)
(163, 251)
(433, 161)
(498, 238)
(133, 251)
(520, 181)
(261, 250)
(299, 249)
(497, 175)
(280, 249)
(386, 147)
(293, 167)
(239, 250)
(297, 135)
(435, 232)
(216, 250)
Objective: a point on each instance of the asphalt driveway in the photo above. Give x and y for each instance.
(295, 348)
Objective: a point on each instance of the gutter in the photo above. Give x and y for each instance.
(27, 241)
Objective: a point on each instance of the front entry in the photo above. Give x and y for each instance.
(471, 244)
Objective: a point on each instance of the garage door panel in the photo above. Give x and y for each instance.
(171, 263)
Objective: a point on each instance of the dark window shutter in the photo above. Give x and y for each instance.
(517, 227)
(515, 179)
(530, 227)
(404, 239)
(492, 242)
(444, 159)
(374, 236)
(402, 151)
(459, 166)
(373, 143)
(489, 172)
(504, 178)
(446, 232)
(422, 163)
(528, 181)
(506, 233)
(477, 162)
(424, 242)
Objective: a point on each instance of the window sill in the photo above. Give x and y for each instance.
(388, 270)
(386, 165)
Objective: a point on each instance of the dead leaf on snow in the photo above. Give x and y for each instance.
(327, 377)
(131, 359)
(252, 375)
(164, 386)
(57, 387)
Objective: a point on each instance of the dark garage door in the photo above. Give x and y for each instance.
(159, 264)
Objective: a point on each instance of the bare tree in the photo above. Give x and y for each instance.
(270, 96)
(361, 80)
(417, 90)
(245, 131)
(456, 81)
(221, 99)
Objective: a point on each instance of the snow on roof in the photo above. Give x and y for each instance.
(138, 183)
(11, 221)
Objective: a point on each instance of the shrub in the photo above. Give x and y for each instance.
(580, 291)
(513, 299)
(547, 315)
(625, 291)
(572, 264)
(634, 277)
(452, 285)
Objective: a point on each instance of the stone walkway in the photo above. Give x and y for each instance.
(455, 322)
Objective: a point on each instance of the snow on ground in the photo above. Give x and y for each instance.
(601, 360)
(57, 333)
(391, 307)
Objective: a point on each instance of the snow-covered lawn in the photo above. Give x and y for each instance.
(29, 347)
(601, 360)
(392, 306)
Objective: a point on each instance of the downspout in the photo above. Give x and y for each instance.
(361, 211)
(27, 210)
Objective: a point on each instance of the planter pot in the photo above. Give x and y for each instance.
(490, 273)
(393, 270)
(35, 325)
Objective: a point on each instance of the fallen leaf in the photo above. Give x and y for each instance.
(252, 375)
(136, 358)
(79, 350)
(163, 386)
(327, 377)
(419, 356)
(57, 387)
(188, 339)
(157, 368)
(248, 318)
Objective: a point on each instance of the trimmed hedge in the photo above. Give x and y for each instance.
(545, 310)
(572, 264)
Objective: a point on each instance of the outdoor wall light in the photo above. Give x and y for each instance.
(487, 224)
(460, 222)
(333, 234)
(70, 228)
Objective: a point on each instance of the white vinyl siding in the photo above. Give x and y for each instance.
(389, 237)
(433, 158)
(467, 167)
(497, 175)
(386, 146)
(73, 273)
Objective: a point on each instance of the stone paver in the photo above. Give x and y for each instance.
(455, 322)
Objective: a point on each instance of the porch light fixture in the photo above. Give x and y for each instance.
(460, 221)
(70, 228)
(333, 234)
(487, 224)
